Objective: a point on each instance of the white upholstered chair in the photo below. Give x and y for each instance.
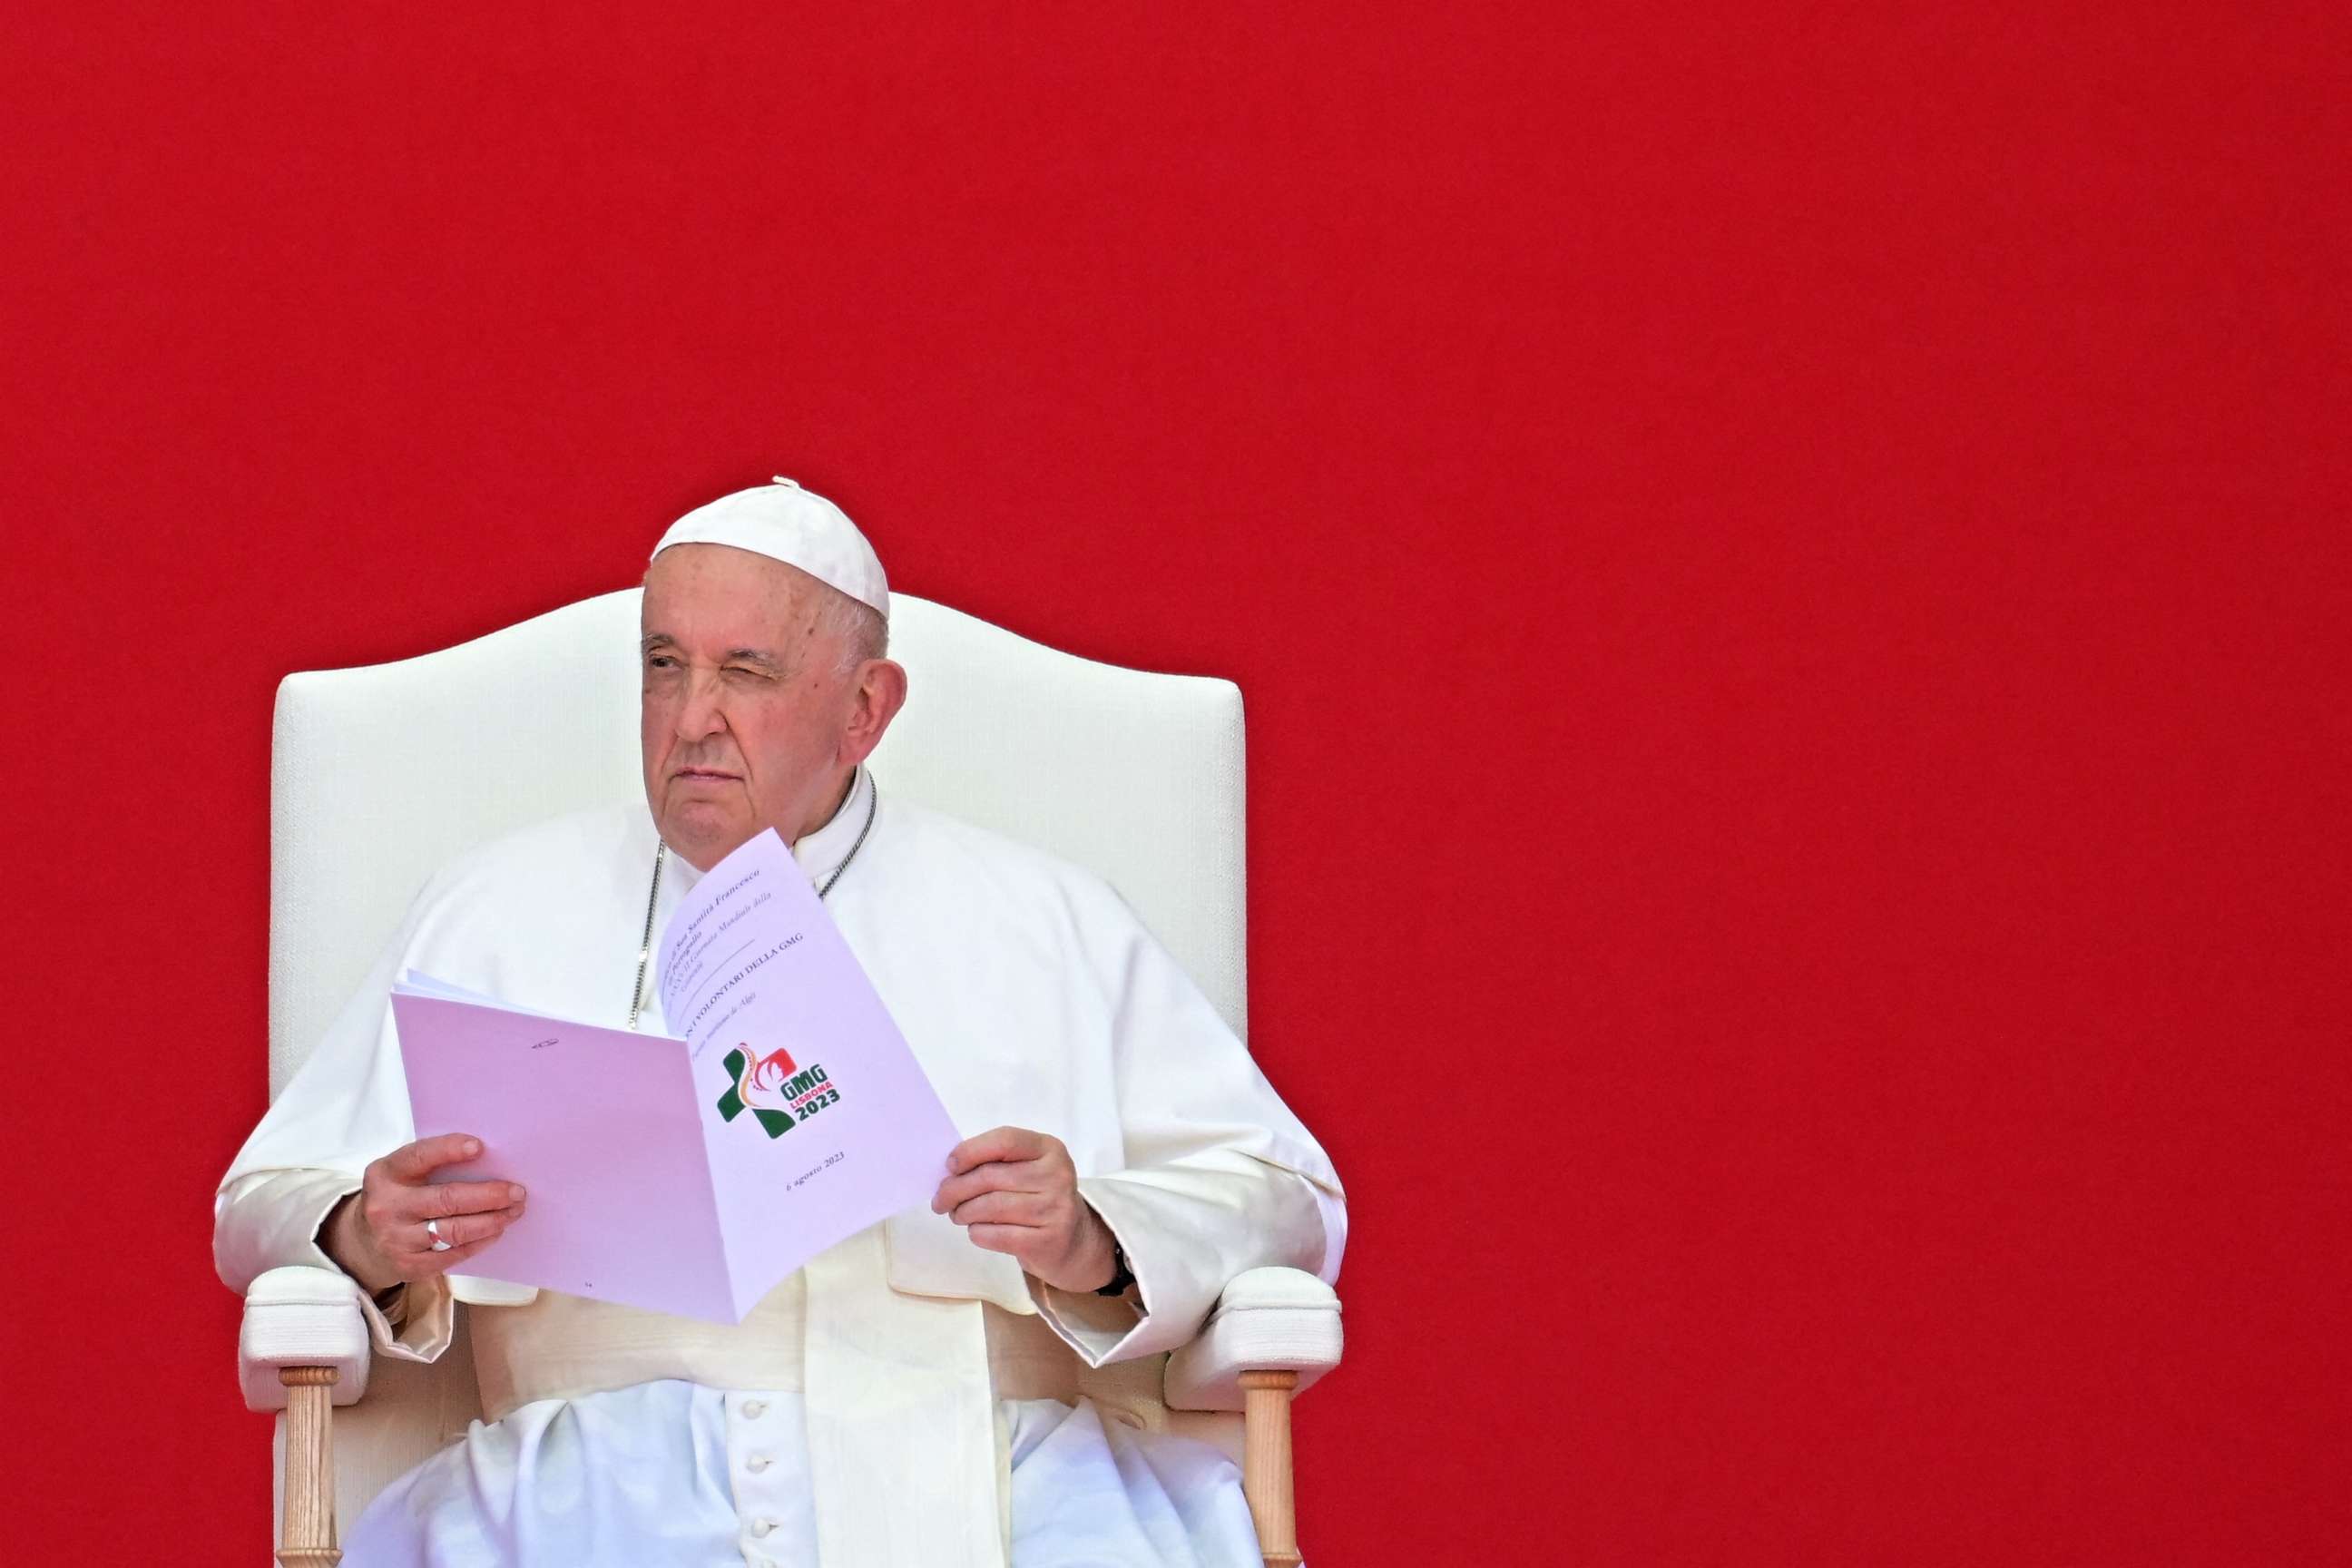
(380, 774)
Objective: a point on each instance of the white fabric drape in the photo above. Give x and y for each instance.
(643, 1475)
(1033, 996)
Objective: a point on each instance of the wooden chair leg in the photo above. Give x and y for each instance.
(1265, 1464)
(307, 1538)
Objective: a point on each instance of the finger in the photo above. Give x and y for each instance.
(997, 1176)
(1018, 1240)
(996, 1143)
(443, 1199)
(465, 1230)
(412, 1163)
(1006, 1208)
(425, 1265)
(391, 1213)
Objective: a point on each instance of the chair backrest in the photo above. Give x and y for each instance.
(380, 774)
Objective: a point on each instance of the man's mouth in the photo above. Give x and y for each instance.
(715, 775)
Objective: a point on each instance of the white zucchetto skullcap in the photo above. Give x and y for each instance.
(797, 527)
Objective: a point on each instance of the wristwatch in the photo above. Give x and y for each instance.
(1121, 1276)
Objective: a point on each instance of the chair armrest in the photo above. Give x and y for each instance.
(301, 1317)
(1268, 1320)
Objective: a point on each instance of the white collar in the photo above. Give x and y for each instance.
(824, 852)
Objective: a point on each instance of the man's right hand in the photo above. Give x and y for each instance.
(377, 1235)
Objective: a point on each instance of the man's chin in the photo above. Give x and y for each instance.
(704, 833)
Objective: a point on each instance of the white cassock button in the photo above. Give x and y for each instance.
(761, 1526)
(754, 1408)
(757, 1463)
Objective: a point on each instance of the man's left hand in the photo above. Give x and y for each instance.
(1016, 1192)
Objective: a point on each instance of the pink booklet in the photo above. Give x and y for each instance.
(688, 1175)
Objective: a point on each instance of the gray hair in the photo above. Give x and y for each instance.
(862, 632)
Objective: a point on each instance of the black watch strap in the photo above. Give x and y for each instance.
(1122, 1275)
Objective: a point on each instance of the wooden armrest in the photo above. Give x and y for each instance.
(1268, 1320)
(1275, 1331)
(301, 1318)
(304, 1343)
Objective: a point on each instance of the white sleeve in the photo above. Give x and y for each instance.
(1220, 1176)
(346, 1106)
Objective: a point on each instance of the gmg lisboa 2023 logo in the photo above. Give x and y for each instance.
(778, 1094)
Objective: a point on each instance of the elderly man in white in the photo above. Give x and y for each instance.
(892, 1403)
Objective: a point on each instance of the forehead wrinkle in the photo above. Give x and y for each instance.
(788, 600)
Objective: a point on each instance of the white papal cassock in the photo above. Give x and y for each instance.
(907, 1397)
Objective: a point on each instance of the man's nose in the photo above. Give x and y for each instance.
(701, 713)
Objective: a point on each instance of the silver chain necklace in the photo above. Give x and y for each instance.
(653, 897)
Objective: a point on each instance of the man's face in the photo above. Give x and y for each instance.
(746, 721)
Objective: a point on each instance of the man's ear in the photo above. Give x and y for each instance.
(880, 692)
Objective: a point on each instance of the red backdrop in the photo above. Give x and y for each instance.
(1790, 571)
